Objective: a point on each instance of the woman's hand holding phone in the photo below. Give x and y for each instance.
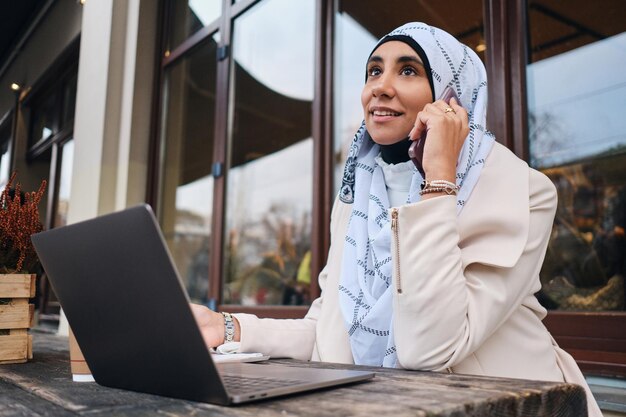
(446, 131)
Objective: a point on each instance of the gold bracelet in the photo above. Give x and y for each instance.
(436, 186)
(432, 190)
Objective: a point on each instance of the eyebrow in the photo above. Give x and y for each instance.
(402, 59)
(412, 59)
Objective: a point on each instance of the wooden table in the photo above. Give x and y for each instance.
(44, 387)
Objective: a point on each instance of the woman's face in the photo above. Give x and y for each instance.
(396, 90)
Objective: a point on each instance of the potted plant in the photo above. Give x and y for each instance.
(19, 219)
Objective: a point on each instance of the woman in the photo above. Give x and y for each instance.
(436, 273)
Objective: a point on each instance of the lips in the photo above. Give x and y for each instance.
(384, 111)
(384, 114)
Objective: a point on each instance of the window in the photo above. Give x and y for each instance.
(236, 150)
(574, 79)
(45, 118)
(186, 191)
(5, 148)
(51, 108)
(269, 186)
(189, 16)
(66, 159)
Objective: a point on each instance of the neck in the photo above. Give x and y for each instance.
(397, 152)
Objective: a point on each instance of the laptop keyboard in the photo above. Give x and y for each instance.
(235, 383)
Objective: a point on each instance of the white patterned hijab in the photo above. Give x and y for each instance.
(365, 291)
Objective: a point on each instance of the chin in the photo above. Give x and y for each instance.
(387, 135)
(386, 138)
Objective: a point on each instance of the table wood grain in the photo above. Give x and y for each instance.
(44, 387)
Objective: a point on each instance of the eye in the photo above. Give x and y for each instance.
(373, 71)
(408, 71)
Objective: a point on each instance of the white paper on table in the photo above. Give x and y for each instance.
(229, 352)
(83, 378)
(238, 357)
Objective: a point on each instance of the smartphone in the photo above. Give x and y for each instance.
(416, 150)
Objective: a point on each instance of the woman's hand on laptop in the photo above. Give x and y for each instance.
(212, 325)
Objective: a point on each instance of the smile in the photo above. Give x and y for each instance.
(385, 113)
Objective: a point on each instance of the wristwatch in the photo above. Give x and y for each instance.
(229, 327)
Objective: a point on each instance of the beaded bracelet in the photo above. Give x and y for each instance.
(229, 327)
(437, 186)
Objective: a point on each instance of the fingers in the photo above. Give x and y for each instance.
(448, 109)
(431, 112)
(418, 128)
(458, 109)
(442, 117)
(462, 114)
(423, 118)
(452, 110)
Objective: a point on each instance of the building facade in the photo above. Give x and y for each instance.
(232, 119)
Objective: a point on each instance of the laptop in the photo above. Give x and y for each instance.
(129, 311)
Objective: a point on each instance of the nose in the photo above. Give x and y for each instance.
(384, 85)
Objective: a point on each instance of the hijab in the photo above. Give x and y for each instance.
(365, 286)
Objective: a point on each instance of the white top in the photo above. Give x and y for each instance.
(398, 180)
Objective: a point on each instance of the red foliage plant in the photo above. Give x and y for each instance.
(19, 219)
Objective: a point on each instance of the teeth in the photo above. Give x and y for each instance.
(385, 113)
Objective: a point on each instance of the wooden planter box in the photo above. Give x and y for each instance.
(16, 316)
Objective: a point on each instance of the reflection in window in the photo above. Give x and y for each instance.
(269, 189)
(45, 119)
(575, 78)
(359, 25)
(189, 16)
(52, 110)
(5, 151)
(69, 101)
(65, 184)
(5, 162)
(186, 196)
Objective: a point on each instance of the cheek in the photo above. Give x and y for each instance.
(365, 96)
(419, 100)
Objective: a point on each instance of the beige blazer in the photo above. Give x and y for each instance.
(467, 284)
